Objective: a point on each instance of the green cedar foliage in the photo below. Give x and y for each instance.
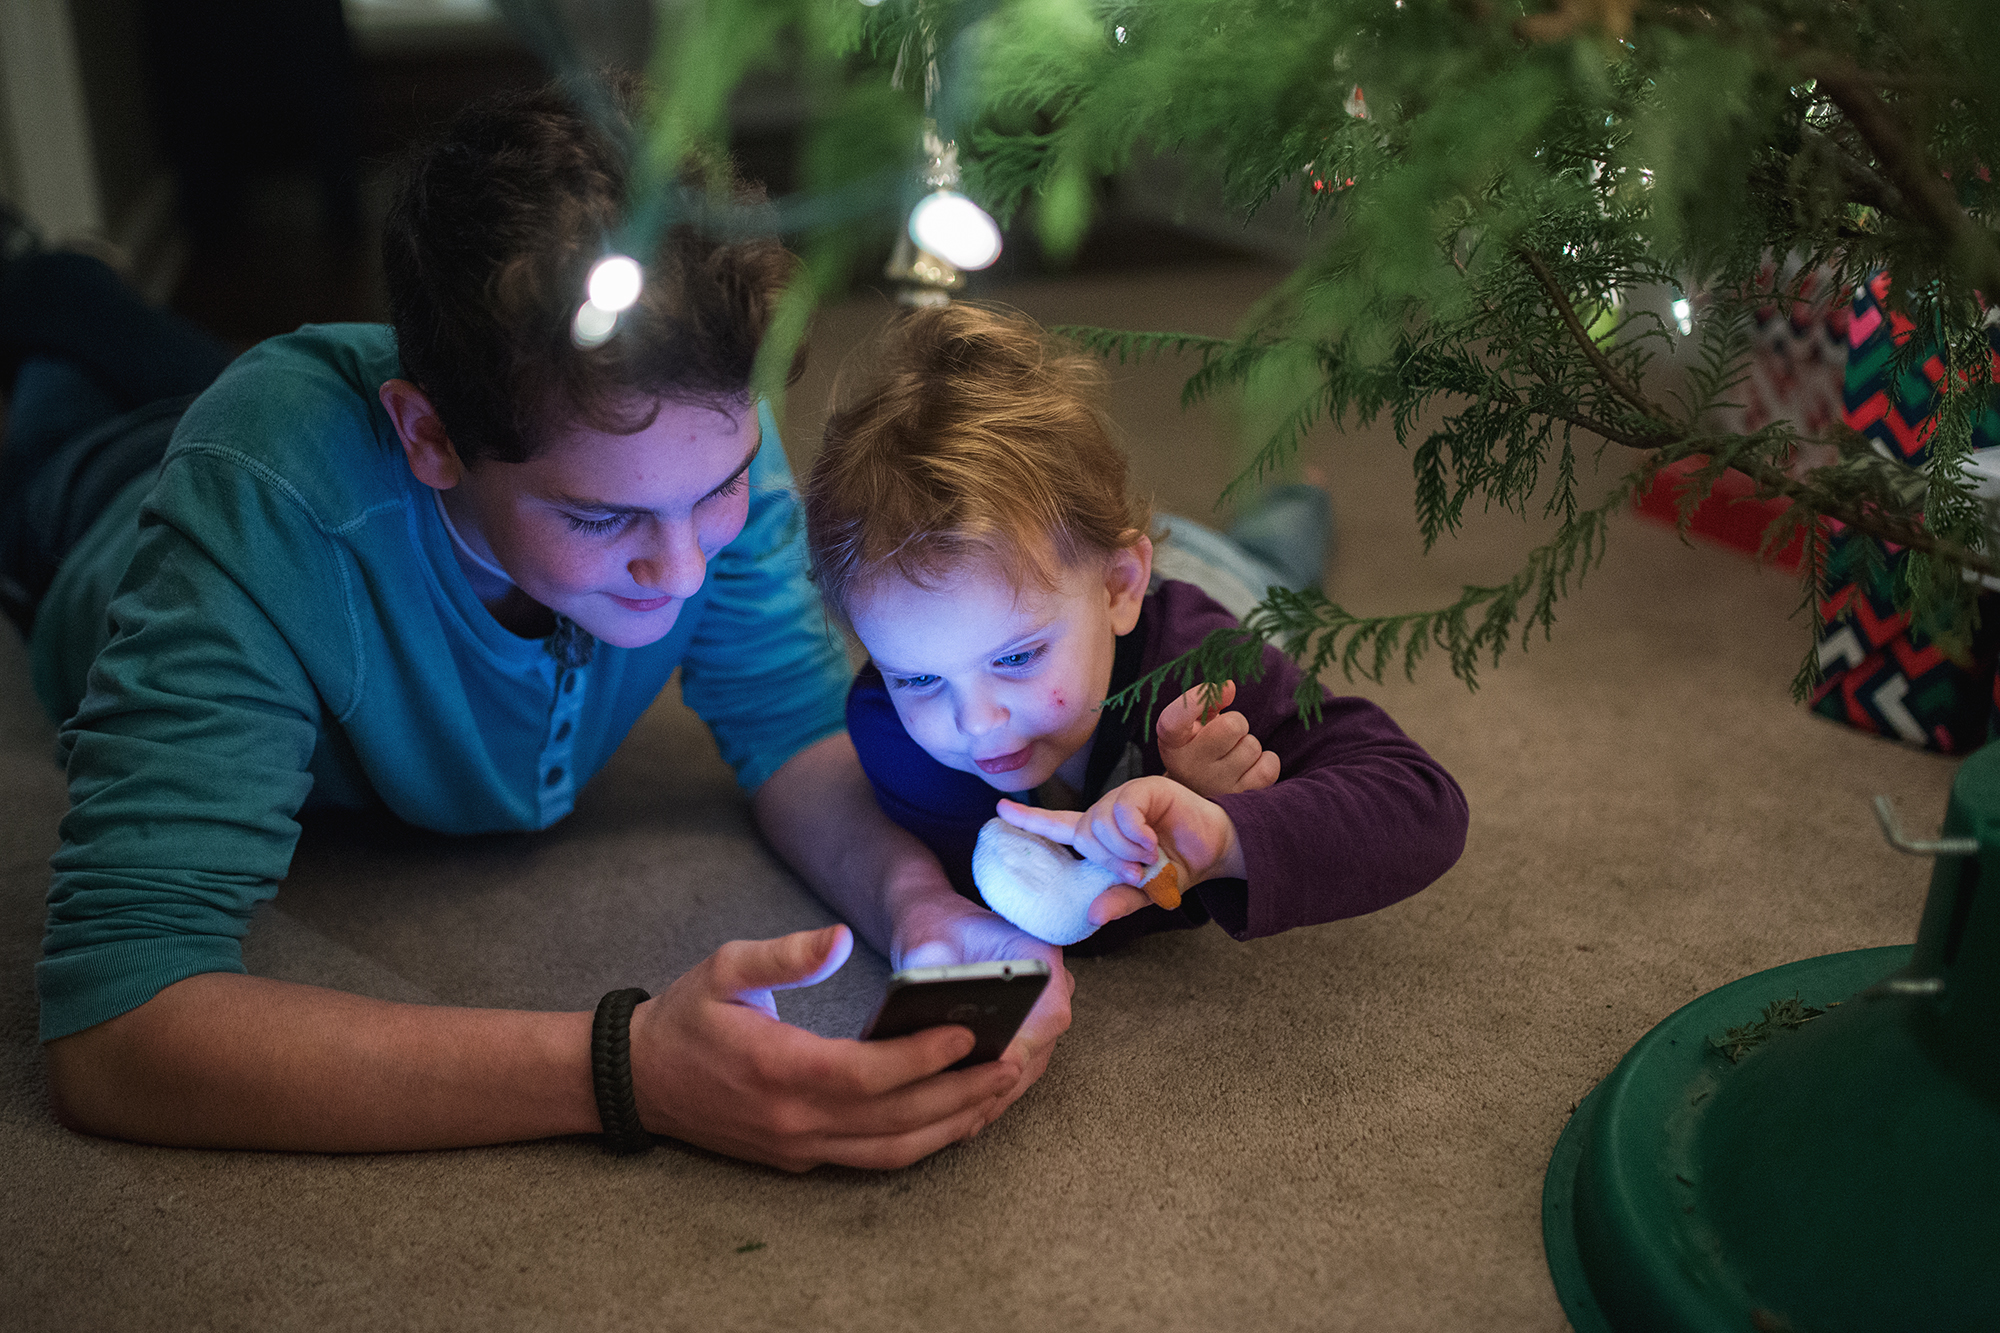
(1515, 167)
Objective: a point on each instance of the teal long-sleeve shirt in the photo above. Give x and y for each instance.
(277, 621)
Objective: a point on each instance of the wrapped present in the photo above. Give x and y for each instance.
(1798, 362)
(1879, 672)
(1797, 371)
(1730, 515)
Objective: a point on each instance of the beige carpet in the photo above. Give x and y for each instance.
(1340, 1128)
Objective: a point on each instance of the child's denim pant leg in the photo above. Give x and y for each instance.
(1281, 543)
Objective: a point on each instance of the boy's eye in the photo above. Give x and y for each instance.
(596, 526)
(736, 485)
(1014, 661)
(913, 682)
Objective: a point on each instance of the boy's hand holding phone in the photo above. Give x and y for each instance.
(1209, 751)
(1132, 823)
(992, 1000)
(942, 928)
(713, 1065)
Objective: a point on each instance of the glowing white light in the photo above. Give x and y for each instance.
(1684, 316)
(615, 283)
(955, 229)
(592, 325)
(1120, 34)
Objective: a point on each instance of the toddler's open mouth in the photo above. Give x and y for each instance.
(1005, 763)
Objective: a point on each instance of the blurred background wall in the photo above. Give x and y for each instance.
(232, 156)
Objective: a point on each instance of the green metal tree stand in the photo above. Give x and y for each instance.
(1845, 1176)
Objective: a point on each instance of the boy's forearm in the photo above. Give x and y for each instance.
(226, 1060)
(820, 814)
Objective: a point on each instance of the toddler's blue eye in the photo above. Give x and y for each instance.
(1014, 661)
(913, 682)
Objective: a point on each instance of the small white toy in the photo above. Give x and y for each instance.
(1045, 889)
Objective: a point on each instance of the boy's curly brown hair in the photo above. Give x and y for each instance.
(495, 226)
(972, 436)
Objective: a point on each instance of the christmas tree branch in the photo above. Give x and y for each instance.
(1863, 514)
(1320, 634)
(1864, 184)
(1867, 517)
(1592, 353)
(1907, 166)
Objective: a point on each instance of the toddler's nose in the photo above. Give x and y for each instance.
(980, 715)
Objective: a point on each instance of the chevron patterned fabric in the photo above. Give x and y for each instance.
(1878, 671)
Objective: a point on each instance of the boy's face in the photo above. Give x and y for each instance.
(997, 681)
(615, 531)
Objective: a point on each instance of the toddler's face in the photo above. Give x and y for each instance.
(997, 681)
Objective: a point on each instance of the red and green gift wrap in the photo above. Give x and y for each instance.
(1797, 364)
(1879, 672)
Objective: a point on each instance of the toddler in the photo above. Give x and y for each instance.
(968, 516)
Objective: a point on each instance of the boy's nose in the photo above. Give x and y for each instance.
(671, 563)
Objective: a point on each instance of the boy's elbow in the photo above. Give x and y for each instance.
(82, 1079)
(98, 1078)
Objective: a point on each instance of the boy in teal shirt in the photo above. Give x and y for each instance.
(441, 571)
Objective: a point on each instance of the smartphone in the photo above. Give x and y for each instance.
(989, 998)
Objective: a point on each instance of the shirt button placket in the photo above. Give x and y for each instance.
(558, 771)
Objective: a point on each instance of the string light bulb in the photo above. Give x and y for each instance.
(593, 324)
(956, 230)
(615, 283)
(613, 287)
(945, 223)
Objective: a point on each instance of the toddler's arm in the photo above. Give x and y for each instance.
(1360, 818)
(1212, 752)
(1130, 825)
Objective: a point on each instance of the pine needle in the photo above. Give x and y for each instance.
(1787, 1015)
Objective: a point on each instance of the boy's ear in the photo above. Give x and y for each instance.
(1126, 576)
(433, 459)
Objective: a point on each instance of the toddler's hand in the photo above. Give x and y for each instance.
(1129, 826)
(1212, 753)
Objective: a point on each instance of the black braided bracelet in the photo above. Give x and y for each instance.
(611, 1072)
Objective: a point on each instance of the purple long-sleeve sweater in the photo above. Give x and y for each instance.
(1359, 818)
